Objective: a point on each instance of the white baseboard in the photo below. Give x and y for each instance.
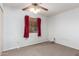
(67, 45)
(23, 46)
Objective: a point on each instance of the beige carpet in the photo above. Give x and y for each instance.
(43, 49)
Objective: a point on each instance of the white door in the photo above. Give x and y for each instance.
(1, 30)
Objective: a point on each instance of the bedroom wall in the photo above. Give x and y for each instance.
(14, 29)
(65, 28)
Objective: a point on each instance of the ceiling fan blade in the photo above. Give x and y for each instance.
(43, 8)
(26, 8)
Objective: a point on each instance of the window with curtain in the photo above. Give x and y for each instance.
(33, 25)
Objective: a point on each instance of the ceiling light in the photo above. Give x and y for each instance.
(34, 10)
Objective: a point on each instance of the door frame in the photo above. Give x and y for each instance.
(1, 30)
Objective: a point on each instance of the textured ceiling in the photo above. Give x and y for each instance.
(53, 8)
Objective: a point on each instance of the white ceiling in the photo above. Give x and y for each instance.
(53, 8)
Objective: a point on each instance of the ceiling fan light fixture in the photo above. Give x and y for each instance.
(34, 10)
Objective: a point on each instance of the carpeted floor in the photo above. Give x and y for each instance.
(43, 49)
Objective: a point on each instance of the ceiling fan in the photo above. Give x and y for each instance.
(35, 7)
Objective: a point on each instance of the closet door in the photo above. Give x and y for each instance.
(1, 34)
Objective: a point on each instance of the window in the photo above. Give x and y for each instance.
(33, 25)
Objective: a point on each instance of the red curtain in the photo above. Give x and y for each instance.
(26, 28)
(39, 26)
